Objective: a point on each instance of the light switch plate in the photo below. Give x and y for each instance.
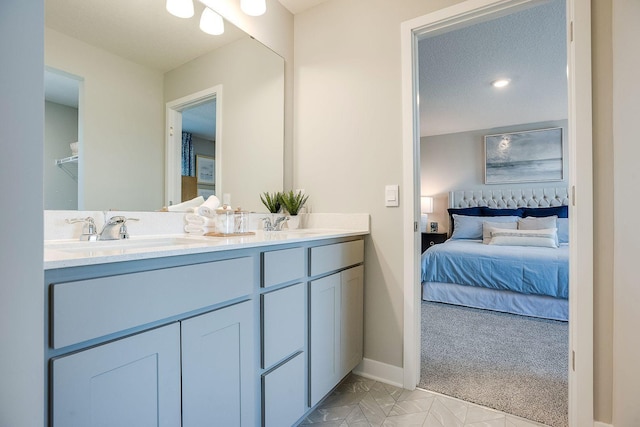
(392, 195)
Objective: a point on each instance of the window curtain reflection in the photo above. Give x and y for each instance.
(188, 156)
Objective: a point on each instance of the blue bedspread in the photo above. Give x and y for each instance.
(524, 269)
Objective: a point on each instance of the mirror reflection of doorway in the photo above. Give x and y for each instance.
(62, 140)
(198, 142)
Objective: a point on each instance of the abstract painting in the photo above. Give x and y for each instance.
(528, 156)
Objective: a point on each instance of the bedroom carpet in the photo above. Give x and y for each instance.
(511, 363)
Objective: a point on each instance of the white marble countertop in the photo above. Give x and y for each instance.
(62, 253)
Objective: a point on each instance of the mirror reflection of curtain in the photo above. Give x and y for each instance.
(188, 156)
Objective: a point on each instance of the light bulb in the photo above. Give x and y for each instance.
(253, 7)
(180, 8)
(211, 22)
(500, 83)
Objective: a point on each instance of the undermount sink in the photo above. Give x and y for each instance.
(109, 246)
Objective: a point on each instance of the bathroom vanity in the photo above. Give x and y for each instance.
(240, 331)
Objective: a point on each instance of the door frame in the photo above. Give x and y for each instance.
(580, 181)
(173, 141)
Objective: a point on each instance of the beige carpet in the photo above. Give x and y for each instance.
(511, 363)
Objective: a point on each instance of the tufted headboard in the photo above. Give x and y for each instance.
(510, 198)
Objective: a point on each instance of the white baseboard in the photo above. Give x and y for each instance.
(380, 371)
(599, 424)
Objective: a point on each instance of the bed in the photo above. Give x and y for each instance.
(508, 251)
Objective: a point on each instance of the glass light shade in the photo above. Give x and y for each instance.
(253, 7)
(426, 204)
(211, 22)
(180, 8)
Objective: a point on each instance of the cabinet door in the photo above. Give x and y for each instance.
(218, 359)
(352, 318)
(324, 346)
(132, 382)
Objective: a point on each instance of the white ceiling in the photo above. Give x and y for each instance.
(297, 6)
(140, 30)
(456, 70)
(456, 67)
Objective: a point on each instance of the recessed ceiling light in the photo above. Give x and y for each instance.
(500, 83)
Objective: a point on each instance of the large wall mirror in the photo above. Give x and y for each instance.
(130, 63)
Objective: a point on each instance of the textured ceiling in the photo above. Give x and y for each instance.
(456, 70)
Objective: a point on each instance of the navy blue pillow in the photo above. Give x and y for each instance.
(560, 211)
(475, 211)
(502, 212)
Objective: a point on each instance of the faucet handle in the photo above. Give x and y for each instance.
(88, 230)
(124, 233)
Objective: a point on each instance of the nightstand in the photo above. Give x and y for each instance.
(430, 239)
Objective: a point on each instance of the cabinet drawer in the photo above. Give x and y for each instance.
(282, 266)
(334, 257)
(283, 392)
(92, 308)
(283, 323)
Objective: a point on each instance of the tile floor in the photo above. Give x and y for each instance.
(360, 402)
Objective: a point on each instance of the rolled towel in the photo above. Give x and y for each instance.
(195, 219)
(209, 207)
(197, 229)
(186, 206)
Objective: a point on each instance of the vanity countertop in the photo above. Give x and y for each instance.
(65, 253)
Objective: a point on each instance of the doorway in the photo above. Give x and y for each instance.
(191, 112)
(579, 123)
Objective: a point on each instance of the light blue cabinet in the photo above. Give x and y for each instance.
(241, 338)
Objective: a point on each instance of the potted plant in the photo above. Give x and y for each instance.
(293, 202)
(273, 202)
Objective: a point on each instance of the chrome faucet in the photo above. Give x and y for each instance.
(88, 230)
(115, 228)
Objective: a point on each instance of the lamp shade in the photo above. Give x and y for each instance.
(426, 204)
(180, 8)
(211, 22)
(253, 7)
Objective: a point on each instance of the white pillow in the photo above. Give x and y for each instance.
(538, 223)
(543, 238)
(470, 227)
(490, 227)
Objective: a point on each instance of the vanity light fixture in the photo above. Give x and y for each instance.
(253, 7)
(500, 83)
(211, 22)
(180, 8)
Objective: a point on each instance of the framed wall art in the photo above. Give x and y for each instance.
(528, 156)
(205, 169)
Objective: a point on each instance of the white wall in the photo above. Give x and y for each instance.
(456, 162)
(122, 134)
(252, 106)
(21, 220)
(275, 30)
(348, 139)
(626, 109)
(60, 129)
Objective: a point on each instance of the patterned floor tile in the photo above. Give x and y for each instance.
(360, 402)
(407, 420)
(411, 406)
